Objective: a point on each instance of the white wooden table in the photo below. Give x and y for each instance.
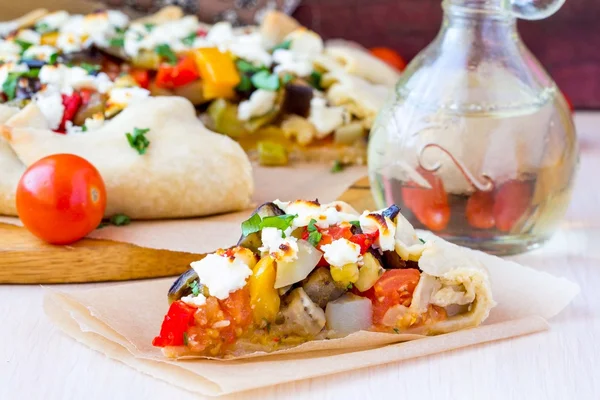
(37, 361)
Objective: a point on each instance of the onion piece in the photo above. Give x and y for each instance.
(348, 314)
(394, 314)
(291, 272)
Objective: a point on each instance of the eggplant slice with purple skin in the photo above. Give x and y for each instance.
(297, 99)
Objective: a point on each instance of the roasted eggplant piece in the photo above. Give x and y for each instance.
(253, 241)
(321, 288)
(300, 315)
(33, 63)
(391, 260)
(27, 87)
(297, 99)
(95, 105)
(391, 212)
(181, 287)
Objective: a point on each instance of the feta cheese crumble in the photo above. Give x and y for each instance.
(42, 53)
(324, 215)
(221, 274)
(326, 119)
(260, 103)
(291, 63)
(280, 248)
(196, 301)
(51, 105)
(127, 96)
(53, 21)
(373, 222)
(29, 36)
(66, 79)
(341, 252)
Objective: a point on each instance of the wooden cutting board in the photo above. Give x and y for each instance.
(26, 259)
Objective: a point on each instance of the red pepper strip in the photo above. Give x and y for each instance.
(72, 104)
(171, 76)
(141, 76)
(364, 240)
(178, 319)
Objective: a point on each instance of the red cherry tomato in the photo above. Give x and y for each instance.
(61, 198)
(512, 200)
(178, 319)
(172, 76)
(480, 210)
(141, 76)
(396, 286)
(430, 206)
(389, 56)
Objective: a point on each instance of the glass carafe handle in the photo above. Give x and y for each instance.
(535, 9)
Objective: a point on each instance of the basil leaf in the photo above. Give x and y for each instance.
(195, 289)
(337, 166)
(9, 87)
(314, 238)
(120, 220)
(149, 26)
(355, 223)
(90, 68)
(189, 39)
(164, 50)
(245, 66)
(245, 84)
(281, 222)
(311, 225)
(138, 141)
(283, 46)
(53, 59)
(117, 42)
(265, 80)
(42, 27)
(251, 225)
(315, 80)
(24, 45)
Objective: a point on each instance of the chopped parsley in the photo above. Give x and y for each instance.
(349, 287)
(43, 27)
(90, 68)
(24, 45)
(120, 220)
(314, 236)
(265, 80)
(338, 166)
(195, 288)
(315, 80)
(287, 78)
(245, 84)
(283, 45)
(355, 223)
(255, 223)
(396, 330)
(138, 140)
(149, 26)
(165, 51)
(189, 39)
(422, 241)
(53, 59)
(117, 42)
(185, 338)
(83, 128)
(245, 66)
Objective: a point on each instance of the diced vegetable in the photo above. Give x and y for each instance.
(348, 314)
(300, 315)
(258, 122)
(72, 104)
(49, 39)
(349, 134)
(180, 74)
(93, 103)
(141, 77)
(346, 274)
(395, 287)
(271, 154)
(321, 288)
(178, 319)
(299, 128)
(252, 241)
(146, 59)
(264, 298)
(294, 271)
(224, 118)
(192, 91)
(218, 71)
(297, 99)
(369, 273)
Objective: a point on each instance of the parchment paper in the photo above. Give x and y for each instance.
(120, 321)
(204, 235)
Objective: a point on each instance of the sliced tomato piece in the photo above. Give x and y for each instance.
(141, 76)
(395, 287)
(177, 321)
(171, 76)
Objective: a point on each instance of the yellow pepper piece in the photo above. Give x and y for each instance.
(49, 39)
(264, 298)
(346, 274)
(218, 72)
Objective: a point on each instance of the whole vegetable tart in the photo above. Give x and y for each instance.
(304, 271)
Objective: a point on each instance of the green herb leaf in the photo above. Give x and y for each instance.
(251, 225)
(337, 166)
(245, 84)
(195, 288)
(315, 80)
(314, 238)
(189, 39)
(120, 220)
(287, 78)
(24, 45)
(265, 80)
(9, 87)
(32, 73)
(137, 140)
(245, 66)
(311, 225)
(53, 59)
(185, 338)
(164, 50)
(117, 42)
(283, 46)
(396, 330)
(83, 128)
(349, 287)
(90, 68)
(120, 31)
(103, 224)
(422, 241)
(149, 26)
(281, 222)
(42, 27)
(355, 223)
